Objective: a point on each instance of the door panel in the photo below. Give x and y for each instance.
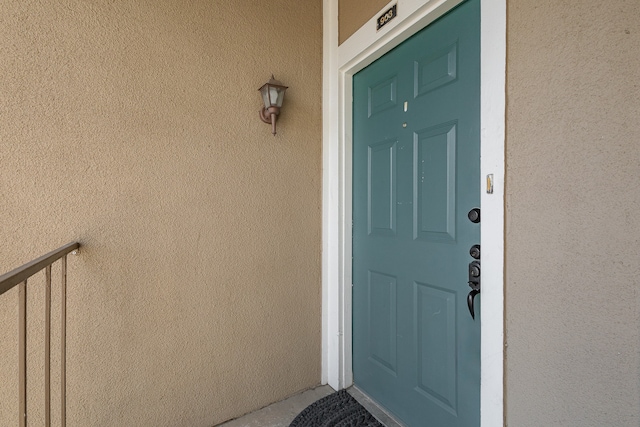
(434, 183)
(416, 349)
(381, 189)
(436, 69)
(435, 310)
(382, 320)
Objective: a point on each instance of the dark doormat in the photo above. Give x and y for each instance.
(336, 410)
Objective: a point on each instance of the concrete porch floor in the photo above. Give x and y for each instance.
(280, 414)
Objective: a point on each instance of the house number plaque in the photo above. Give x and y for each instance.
(387, 16)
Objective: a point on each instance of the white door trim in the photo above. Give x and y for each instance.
(339, 65)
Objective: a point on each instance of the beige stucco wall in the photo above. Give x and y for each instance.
(133, 127)
(353, 14)
(572, 229)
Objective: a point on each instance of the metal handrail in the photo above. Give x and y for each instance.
(19, 277)
(20, 274)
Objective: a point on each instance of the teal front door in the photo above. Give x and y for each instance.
(416, 175)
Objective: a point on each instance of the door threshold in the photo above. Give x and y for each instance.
(374, 408)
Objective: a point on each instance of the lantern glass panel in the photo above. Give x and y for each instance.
(264, 90)
(279, 96)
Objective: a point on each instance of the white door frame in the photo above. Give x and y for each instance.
(339, 65)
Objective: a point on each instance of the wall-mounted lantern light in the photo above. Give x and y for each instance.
(272, 95)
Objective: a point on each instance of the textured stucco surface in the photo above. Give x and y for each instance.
(573, 197)
(133, 128)
(353, 14)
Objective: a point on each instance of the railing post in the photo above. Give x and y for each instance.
(63, 343)
(47, 348)
(22, 351)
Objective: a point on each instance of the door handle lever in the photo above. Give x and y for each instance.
(470, 298)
